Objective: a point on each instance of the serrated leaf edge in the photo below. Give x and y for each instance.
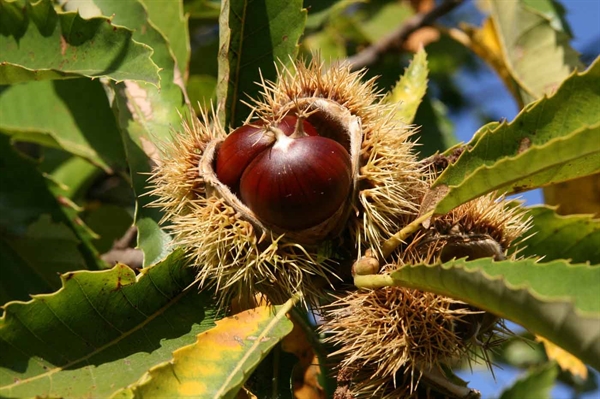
(65, 278)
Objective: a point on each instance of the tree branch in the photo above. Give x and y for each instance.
(121, 251)
(395, 39)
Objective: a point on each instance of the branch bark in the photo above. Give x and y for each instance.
(395, 39)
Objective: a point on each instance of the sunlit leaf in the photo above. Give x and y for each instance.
(562, 296)
(410, 89)
(564, 359)
(220, 360)
(535, 45)
(173, 24)
(533, 149)
(254, 38)
(100, 332)
(38, 44)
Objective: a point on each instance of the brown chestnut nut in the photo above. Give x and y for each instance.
(245, 143)
(288, 175)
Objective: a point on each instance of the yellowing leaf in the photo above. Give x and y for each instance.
(217, 365)
(535, 45)
(410, 89)
(565, 360)
(575, 196)
(484, 42)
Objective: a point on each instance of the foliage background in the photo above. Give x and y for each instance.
(461, 92)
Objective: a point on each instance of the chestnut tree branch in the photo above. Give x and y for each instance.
(395, 39)
(121, 251)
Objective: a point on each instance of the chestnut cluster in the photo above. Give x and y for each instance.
(287, 173)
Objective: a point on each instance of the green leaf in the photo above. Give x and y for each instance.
(536, 383)
(56, 114)
(74, 176)
(101, 331)
(553, 236)
(552, 140)
(36, 258)
(436, 130)
(410, 89)
(38, 44)
(146, 115)
(385, 20)
(535, 44)
(254, 36)
(556, 300)
(222, 358)
(320, 12)
(109, 222)
(38, 236)
(173, 24)
(327, 43)
(202, 90)
(202, 9)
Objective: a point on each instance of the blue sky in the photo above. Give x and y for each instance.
(584, 19)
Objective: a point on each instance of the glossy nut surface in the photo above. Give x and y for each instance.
(238, 150)
(287, 175)
(300, 186)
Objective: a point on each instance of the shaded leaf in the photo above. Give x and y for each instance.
(221, 359)
(71, 114)
(580, 195)
(563, 297)
(327, 43)
(254, 37)
(100, 332)
(202, 90)
(146, 115)
(387, 18)
(533, 149)
(173, 24)
(321, 11)
(38, 236)
(310, 370)
(202, 9)
(410, 89)
(536, 383)
(553, 236)
(37, 258)
(38, 44)
(109, 222)
(484, 42)
(436, 130)
(535, 43)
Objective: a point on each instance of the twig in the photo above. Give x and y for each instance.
(395, 39)
(121, 252)
(394, 241)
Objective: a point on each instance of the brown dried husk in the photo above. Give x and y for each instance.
(240, 255)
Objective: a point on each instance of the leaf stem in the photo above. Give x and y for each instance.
(390, 245)
(374, 281)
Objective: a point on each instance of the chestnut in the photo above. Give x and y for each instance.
(288, 175)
